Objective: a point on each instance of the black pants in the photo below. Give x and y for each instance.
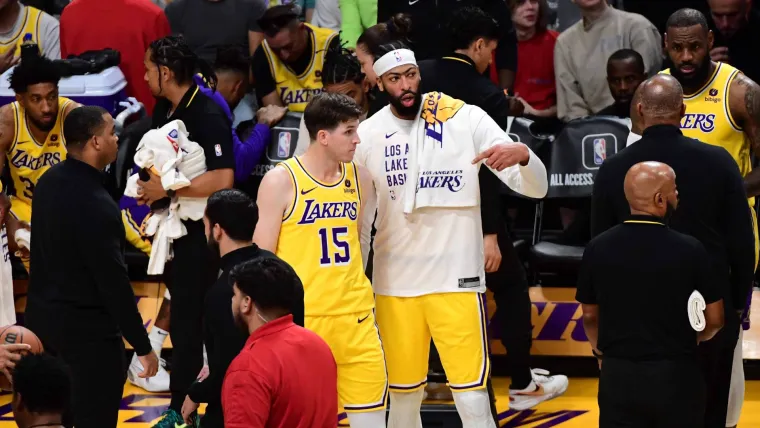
(98, 372)
(651, 394)
(510, 292)
(192, 273)
(716, 360)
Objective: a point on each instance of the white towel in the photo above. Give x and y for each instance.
(169, 153)
(696, 309)
(23, 238)
(441, 173)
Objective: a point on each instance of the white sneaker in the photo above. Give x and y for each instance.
(157, 383)
(543, 387)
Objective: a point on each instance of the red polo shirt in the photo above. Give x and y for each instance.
(128, 26)
(285, 377)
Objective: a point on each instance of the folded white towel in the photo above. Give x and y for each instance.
(441, 173)
(696, 309)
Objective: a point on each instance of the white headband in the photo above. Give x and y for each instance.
(392, 60)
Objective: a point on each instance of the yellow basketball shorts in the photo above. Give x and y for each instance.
(22, 211)
(457, 324)
(355, 343)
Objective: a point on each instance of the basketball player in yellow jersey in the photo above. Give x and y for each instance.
(31, 136)
(722, 109)
(310, 210)
(287, 66)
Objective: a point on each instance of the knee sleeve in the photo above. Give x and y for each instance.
(374, 419)
(474, 408)
(405, 409)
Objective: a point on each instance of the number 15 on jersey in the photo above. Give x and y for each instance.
(335, 249)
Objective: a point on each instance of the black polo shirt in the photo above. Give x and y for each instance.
(641, 274)
(206, 124)
(712, 203)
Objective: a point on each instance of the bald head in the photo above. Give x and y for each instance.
(650, 187)
(661, 100)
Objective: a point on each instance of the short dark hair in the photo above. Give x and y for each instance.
(172, 52)
(327, 110)
(468, 24)
(270, 282)
(279, 17)
(389, 47)
(341, 65)
(684, 18)
(232, 58)
(44, 383)
(31, 71)
(397, 28)
(82, 123)
(628, 54)
(234, 211)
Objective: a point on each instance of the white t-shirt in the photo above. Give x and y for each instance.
(432, 250)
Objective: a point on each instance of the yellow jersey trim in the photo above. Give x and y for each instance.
(709, 82)
(14, 38)
(726, 106)
(294, 182)
(337, 183)
(456, 59)
(16, 121)
(358, 183)
(645, 222)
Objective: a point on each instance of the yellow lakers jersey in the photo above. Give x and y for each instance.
(320, 239)
(296, 90)
(28, 158)
(30, 25)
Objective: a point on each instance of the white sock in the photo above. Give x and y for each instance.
(157, 337)
(405, 409)
(474, 408)
(374, 419)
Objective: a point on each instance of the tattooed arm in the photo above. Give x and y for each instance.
(744, 103)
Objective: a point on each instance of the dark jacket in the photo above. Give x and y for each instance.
(224, 340)
(712, 203)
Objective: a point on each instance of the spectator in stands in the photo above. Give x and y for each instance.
(581, 54)
(285, 376)
(41, 391)
(472, 35)
(18, 22)
(737, 35)
(306, 8)
(625, 72)
(356, 16)
(287, 65)
(169, 69)
(209, 24)
(327, 14)
(534, 86)
(128, 26)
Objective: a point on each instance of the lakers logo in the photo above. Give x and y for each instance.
(437, 108)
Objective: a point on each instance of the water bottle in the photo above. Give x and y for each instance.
(29, 47)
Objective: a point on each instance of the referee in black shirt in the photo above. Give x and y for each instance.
(80, 301)
(713, 208)
(169, 68)
(634, 286)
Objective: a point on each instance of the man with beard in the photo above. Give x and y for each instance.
(285, 376)
(229, 220)
(625, 72)
(723, 109)
(311, 210)
(429, 268)
(32, 137)
(712, 208)
(650, 375)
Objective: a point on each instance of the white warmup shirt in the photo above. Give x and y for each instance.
(7, 304)
(432, 250)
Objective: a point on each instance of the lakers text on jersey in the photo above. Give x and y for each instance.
(294, 90)
(28, 158)
(320, 239)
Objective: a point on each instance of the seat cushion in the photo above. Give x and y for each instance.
(551, 253)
